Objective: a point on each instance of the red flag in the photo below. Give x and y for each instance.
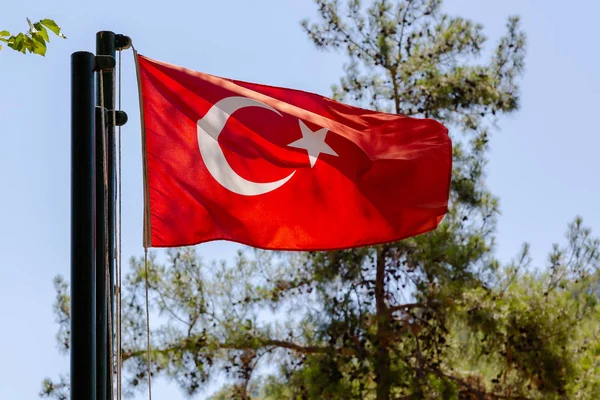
(283, 169)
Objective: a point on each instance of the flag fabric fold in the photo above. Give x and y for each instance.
(282, 169)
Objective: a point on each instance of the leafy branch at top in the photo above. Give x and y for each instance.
(35, 39)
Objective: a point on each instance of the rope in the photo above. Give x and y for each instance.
(110, 334)
(148, 343)
(110, 301)
(106, 234)
(148, 325)
(118, 261)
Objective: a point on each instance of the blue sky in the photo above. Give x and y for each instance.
(543, 162)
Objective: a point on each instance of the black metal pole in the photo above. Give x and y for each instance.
(83, 269)
(105, 46)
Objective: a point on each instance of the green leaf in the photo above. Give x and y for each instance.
(39, 48)
(50, 24)
(29, 44)
(42, 31)
(17, 43)
(4, 33)
(38, 38)
(39, 44)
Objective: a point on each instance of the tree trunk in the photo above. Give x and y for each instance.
(382, 356)
(242, 391)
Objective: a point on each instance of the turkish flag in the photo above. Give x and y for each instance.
(282, 169)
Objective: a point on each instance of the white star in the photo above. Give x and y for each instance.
(313, 143)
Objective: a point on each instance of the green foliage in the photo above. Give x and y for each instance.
(34, 40)
(431, 317)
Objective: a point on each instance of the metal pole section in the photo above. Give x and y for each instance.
(83, 268)
(105, 46)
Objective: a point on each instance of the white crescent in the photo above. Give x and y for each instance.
(209, 129)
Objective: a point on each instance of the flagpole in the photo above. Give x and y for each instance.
(106, 45)
(83, 293)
